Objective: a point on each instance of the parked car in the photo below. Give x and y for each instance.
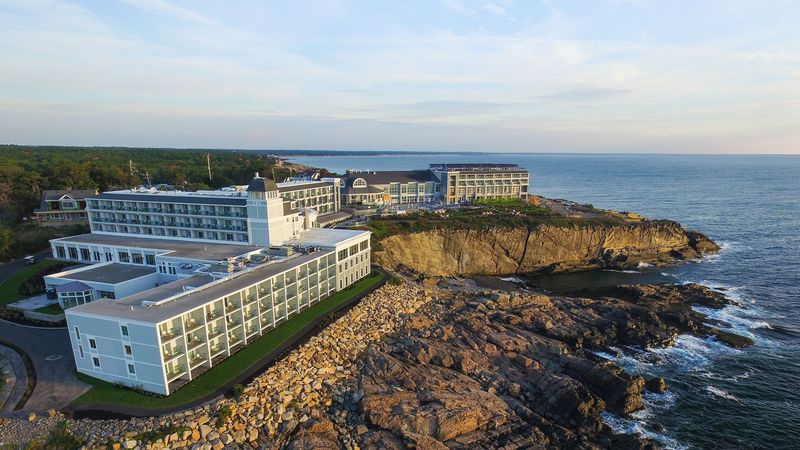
(30, 260)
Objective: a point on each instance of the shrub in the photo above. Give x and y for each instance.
(238, 390)
(61, 438)
(223, 415)
(395, 281)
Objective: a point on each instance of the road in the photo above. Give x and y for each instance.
(10, 268)
(50, 350)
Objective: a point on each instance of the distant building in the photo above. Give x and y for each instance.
(390, 187)
(470, 182)
(445, 183)
(63, 207)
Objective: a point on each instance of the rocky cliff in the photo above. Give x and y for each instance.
(549, 248)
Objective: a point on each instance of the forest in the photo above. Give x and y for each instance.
(26, 171)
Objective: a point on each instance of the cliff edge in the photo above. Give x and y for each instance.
(540, 246)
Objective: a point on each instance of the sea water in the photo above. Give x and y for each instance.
(719, 397)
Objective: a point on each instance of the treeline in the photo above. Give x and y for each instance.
(26, 171)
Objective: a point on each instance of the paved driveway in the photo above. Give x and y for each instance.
(10, 268)
(50, 350)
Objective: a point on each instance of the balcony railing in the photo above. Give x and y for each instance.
(179, 372)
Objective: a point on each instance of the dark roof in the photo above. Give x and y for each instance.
(299, 186)
(474, 166)
(262, 185)
(188, 199)
(51, 195)
(73, 286)
(55, 195)
(390, 176)
(287, 208)
(366, 190)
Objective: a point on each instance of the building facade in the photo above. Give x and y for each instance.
(63, 207)
(441, 183)
(390, 187)
(471, 182)
(162, 303)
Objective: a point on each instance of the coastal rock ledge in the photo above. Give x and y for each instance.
(545, 248)
(493, 369)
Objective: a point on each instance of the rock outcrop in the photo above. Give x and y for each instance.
(548, 248)
(501, 370)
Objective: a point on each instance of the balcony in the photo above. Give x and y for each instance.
(196, 361)
(192, 325)
(216, 350)
(168, 335)
(194, 343)
(233, 340)
(175, 374)
(215, 333)
(171, 354)
(214, 315)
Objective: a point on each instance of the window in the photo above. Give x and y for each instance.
(77, 333)
(61, 252)
(124, 330)
(73, 253)
(124, 257)
(80, 349)
(106, 294)
(92, 344)
(85, 254)
(359, 183)
(128, 350)
(131, 369)
(151, 260)
(96, 361)
(137, 258)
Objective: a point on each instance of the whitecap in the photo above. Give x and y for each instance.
(721, 393)
(512, 279)
(620, 271)
(621, 425)
(644, 265)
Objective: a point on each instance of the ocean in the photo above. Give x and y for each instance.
(719, 397)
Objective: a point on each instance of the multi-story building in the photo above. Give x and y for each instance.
(470, 182)
(211, 216)
(163, 303)
(446, 183)
(63, 207)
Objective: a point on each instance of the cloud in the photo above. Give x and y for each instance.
(585, 94)
(170, 10)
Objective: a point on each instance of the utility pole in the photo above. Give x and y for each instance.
(208, 163)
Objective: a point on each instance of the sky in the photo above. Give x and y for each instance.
(649, 76)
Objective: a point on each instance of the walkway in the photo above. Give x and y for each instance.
(50, 350)
(12, 368)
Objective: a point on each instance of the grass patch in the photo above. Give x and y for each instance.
(9, 290)
(104, 392)
(53, 310)
(482, 215)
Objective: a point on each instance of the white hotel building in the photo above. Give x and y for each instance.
(179, 281)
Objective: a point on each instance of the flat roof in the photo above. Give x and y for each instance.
(131, 307)
(182, 249)
(109, 273)
(325, 237)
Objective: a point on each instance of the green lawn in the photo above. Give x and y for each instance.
(106, 393)
(50, 309)
(9, 290)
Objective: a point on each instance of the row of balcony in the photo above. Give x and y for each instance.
(196, 212)
(201, 226)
